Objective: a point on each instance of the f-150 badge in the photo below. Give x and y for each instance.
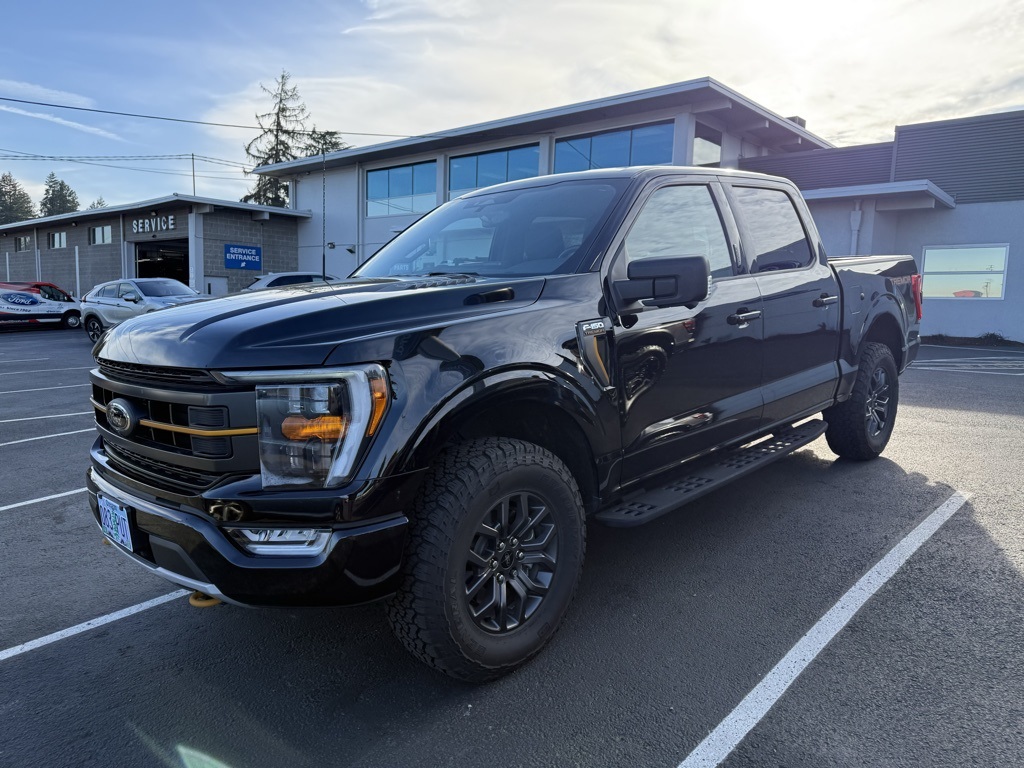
(593, 327)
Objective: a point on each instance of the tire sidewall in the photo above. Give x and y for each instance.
(99, 328)
(497, 651)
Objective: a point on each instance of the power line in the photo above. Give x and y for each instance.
(167, 172)
(191, 122)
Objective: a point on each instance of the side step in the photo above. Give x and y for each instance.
(653, 503)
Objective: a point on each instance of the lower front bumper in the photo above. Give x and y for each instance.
(360, 563)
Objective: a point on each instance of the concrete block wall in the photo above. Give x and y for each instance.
(277, 237)
(97, 263)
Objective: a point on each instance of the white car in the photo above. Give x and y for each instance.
(278, 279)
(108, 304)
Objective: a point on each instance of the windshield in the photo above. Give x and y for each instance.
(541, 230)
(165, 288)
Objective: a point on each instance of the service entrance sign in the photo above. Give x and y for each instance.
(243, 257)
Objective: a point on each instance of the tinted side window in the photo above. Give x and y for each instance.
(108, 292)
(776, 238)
(290, 280)
(680, 221)
(124, 288)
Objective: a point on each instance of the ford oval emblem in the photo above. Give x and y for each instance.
(21, 299)
(121, 417)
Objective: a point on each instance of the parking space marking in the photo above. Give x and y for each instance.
(44, 437)
(755, 705)
(42, 498)
(26, 360)
(53, 416)
(41, 389)
(91, 624)
(43, 370)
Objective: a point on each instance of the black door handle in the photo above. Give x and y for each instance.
(824, 300)
(743, 316)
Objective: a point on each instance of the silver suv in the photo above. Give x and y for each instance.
(108, 304)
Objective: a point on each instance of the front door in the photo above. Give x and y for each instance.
(688, 378)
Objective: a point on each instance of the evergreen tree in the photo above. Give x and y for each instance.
(58, 197)
(323, 143)
(283, 136)
(99, 202)
(15, 204)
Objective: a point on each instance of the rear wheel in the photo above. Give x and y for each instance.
(860, 427)
(94, 328)
(494, 558)
(71, 320)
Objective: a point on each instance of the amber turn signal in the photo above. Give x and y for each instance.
(379, 393)
(327, 428)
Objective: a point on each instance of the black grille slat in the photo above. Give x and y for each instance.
(208, 417)
(159, 473)
(149, 374)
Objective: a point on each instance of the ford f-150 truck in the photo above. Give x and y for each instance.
(437, 429)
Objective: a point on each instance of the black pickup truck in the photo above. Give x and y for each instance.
(437, 429)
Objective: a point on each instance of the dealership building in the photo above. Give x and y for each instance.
(950, 193)
(214, 246)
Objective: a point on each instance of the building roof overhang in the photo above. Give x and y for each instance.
(170, 201)
(703, 96)
(890, 196)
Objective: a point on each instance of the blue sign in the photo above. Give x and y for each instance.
(243, 257)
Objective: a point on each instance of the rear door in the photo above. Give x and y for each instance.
(801, 300)
(688, 378)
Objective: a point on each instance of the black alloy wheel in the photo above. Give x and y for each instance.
(877, 409)
(511, 562)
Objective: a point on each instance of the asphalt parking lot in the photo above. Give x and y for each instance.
(674, 625)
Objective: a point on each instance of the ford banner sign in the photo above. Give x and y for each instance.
(243, 257)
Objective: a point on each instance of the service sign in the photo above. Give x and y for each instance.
(243, 257)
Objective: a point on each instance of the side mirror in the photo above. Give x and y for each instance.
(132, 297)
(671, 281)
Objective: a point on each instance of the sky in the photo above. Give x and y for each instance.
(853, 70)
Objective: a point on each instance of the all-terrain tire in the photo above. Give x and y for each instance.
(860, 427)
(472, 541)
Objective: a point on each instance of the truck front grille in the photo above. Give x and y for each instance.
(152, 374)
(159, 473)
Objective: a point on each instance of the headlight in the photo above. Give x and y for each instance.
(313, 423)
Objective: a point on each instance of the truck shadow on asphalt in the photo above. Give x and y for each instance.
(673, 621)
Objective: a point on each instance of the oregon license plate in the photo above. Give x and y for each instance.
(114, 522)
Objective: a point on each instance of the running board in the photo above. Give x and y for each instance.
(648, 505)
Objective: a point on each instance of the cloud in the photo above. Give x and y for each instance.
(17, 89)
(61, 121)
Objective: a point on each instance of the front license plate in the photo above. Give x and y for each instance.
(114, 522)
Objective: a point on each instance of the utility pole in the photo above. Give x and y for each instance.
(193, 174)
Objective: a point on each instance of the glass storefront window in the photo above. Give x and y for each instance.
(470, 172)
(965, 271)
(644, 145)
(404, 189)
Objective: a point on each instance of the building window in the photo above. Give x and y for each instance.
(965, 271)
(646, 145)
(707, 146)
(404, 189)
(471, 172)
(100, 235)
(58, 239)
(23, 242)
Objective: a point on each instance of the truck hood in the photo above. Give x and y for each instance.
(302, 325)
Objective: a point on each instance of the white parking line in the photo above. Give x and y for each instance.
(44, 437)
(26, 360)
(44, 370)
(41, 389)
(91, 624)
(42, 498)
(53, 416)
(748, 713)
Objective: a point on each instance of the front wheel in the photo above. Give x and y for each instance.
(94, 328)
(860, 427)
(494, 558)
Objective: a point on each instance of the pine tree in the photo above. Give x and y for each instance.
(15, 204)
(99, 202)
(322, 143)
(58, 197)
(282, 138)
